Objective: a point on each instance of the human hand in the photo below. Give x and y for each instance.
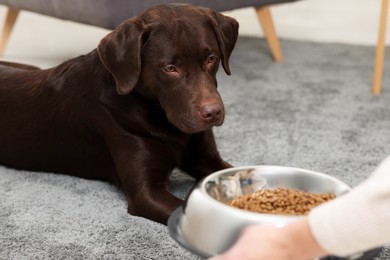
(264, 242)
(256, 243)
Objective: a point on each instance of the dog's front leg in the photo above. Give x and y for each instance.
(143, 170)
(152, 201)
(202, 157)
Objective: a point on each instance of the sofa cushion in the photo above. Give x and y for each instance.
(109, 13)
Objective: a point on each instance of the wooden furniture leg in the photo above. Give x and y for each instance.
(380, 50)
(265, 18)
(10, 19)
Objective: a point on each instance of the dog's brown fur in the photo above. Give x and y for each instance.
(129, 112)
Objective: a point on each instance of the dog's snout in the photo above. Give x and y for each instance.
(211, 112)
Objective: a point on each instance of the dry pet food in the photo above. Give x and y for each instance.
(283, 201)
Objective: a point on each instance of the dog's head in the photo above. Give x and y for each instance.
(171, 53)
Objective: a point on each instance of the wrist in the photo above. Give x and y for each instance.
(303, 244)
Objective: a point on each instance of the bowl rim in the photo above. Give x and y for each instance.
(255, 215)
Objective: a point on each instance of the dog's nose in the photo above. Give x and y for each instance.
(211, 112)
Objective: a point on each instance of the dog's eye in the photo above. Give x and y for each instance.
(212, 59)
(170, 68)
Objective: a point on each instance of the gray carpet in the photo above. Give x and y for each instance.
(313, 111)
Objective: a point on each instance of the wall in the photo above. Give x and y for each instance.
(349, 21)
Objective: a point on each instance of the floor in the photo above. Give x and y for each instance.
(45, 41)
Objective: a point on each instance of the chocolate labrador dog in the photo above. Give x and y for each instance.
(129, 112)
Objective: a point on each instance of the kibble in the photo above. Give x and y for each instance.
(281, 201)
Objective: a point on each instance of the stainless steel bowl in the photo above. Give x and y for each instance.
(207, 226)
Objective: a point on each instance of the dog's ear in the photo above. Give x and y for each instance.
(120, 52)
(226, 31)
